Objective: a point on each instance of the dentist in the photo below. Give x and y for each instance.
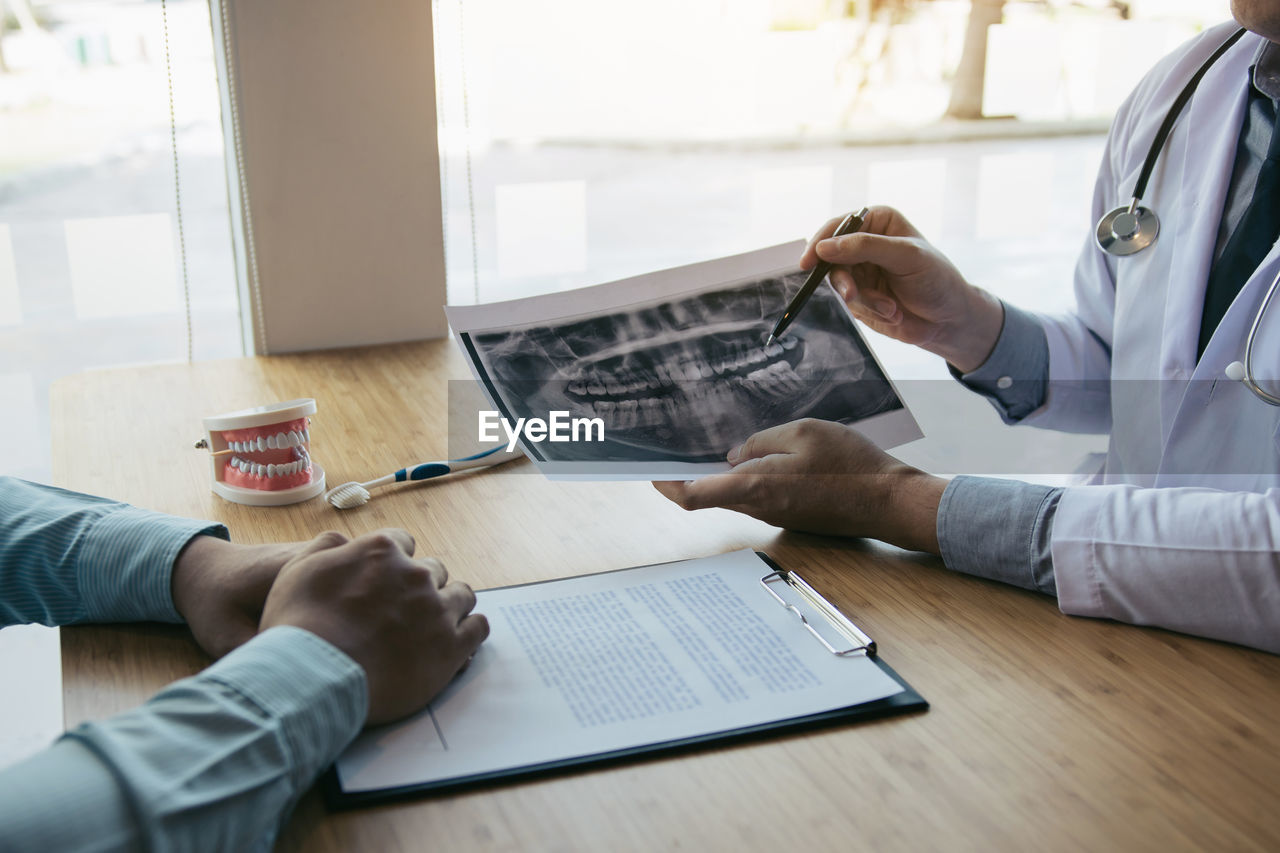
(1181, 527)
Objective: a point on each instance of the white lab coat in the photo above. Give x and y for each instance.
(1181, 528)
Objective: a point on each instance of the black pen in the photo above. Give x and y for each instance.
(851, 223)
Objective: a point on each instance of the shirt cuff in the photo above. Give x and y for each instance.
(1015, 376)
(316, 691)
(999, 530)
(219, 759)
(125, 568)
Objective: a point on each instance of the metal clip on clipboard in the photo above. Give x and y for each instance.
(862, 644)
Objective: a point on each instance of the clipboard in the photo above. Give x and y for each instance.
(821, 619)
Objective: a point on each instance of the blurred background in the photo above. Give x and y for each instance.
(581, 141)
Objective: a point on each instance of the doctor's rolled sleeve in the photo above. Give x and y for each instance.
(212, 762)
(1203, 561)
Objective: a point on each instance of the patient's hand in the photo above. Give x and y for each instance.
(399, 618)
(219, 587)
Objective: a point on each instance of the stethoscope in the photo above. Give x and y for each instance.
(1129, 229)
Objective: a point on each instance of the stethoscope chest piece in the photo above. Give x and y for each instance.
(1127, 230)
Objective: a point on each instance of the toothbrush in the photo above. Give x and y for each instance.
(353, 494)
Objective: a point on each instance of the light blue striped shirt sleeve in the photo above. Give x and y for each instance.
(213, 762)
(67, 557)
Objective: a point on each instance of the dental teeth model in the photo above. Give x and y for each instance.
(262, 456)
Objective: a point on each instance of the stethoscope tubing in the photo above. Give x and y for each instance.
(1134, 209)
(1166, 127)
(1248, 380)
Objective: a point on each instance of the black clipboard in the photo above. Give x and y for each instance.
(900, 703)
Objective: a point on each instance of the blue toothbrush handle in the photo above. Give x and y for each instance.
(425, 471)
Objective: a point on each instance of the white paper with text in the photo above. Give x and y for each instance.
(605, 662)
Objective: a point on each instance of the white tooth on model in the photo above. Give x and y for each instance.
(262, 443)
(271, 470)
(306, 435)
(294, 438)
(259, 469)
(282, 440)
(272, 444)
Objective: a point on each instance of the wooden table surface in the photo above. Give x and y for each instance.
(1045, 731)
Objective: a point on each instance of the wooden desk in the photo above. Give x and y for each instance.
(1045, 732)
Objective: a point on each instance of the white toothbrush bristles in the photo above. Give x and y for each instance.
(348, 496)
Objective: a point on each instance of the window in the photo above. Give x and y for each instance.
(91, 254)
(585, 141)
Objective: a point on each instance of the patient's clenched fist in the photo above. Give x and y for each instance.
(400, 618)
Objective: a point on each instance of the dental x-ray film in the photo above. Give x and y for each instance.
(659, 376)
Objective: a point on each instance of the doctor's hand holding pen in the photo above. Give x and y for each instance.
(897, 283)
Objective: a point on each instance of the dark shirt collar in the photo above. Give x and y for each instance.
(1265, 70)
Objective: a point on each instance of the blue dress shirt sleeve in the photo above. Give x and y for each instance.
(212, 762)
(999, 529)
(1015, 376)
(67, 557)
(993, 528)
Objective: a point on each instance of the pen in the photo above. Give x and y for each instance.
(851, 223)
